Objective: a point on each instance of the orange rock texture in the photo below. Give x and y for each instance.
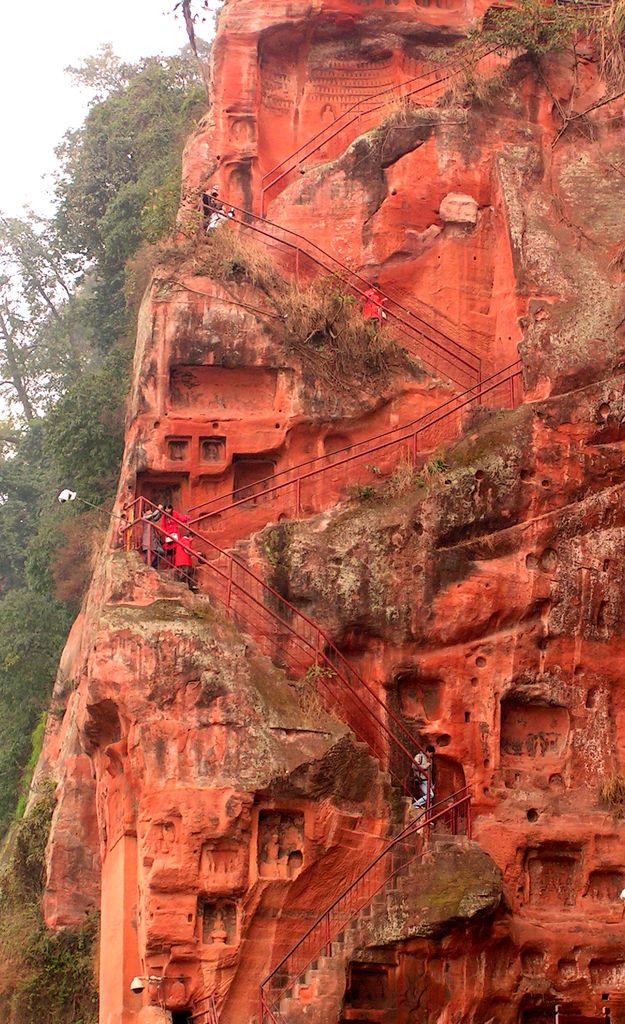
(209, 803)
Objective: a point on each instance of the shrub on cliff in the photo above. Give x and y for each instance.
(47, 978)
(532, 27)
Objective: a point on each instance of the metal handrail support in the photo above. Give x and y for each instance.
(408, 432)
(338, 680)
(349, 897)
(353, 114)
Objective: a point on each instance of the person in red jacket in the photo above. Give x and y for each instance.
(373, 303)
(183, 560)
(169, 524)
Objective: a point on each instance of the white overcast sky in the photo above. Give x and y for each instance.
(38, 102)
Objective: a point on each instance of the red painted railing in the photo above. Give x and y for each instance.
(368, 111)
(431, 344)
(302, 489)
(296, 644)
(205, 1011)
(453, 814)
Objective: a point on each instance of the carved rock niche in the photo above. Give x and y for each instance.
(605, 884)
(370, 987)
(608, 974)
(280, 844)
(553, 875)
(218, 922)
(532, 731)
(223, 867)
(419, 696)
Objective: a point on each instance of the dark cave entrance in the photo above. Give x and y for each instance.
(181, 1017)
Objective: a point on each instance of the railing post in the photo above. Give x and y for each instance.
(297, 266)
(415, 448)
(229, 593)
(298, 497)
(130, 529)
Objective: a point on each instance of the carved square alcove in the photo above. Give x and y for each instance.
(218, 922)
(212, 449)
(608, 973)
(370, 987)
(553, 875)
(419, 696)
(223, 866)
(537, 732)
(178, 448)
(605, 886)
(280, 844)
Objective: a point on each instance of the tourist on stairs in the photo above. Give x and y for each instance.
(372, 309)
(183, 560)
(423, 777)
(150, 539)
(170, 526)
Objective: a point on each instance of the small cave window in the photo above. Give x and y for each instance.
(182, 1017)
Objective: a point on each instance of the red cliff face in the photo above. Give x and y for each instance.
(468, 596)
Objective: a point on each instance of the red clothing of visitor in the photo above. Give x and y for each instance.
(169, 524)
(183, 559)
(372, 309)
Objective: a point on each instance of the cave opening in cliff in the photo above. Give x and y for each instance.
(182, 1017)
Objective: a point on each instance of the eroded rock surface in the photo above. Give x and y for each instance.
(205, 802)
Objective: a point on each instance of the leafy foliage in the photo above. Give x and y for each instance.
(48, 978)
(533, 27)
(120, 170)
(64, 366)
(32, 633)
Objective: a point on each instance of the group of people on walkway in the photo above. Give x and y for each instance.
(167, 543)
(214, 211)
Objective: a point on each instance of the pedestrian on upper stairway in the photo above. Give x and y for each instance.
(372, 308)
(183, 560)
(151, 537)
(212, 209)
(423, 777)
(171, 529)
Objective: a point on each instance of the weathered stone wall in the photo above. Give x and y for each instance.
(208, 813)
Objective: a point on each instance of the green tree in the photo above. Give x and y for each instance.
(112, 167)
(32, 633)
(65, 358)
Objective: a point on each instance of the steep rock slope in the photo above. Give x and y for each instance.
(209, 805)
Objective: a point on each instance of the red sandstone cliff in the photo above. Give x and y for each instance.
(207, 804)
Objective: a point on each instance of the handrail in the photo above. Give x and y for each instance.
(385, 97)
(207, 1016)
(350, 903)
(322, 463)
(434, 346)
(249, 599)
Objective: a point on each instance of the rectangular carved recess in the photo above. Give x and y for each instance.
(280, 844)
(218, 921)
(178, 448)
(211, 391)
(212, 449)
(371, 994)
(553, 875)
(532, 730)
